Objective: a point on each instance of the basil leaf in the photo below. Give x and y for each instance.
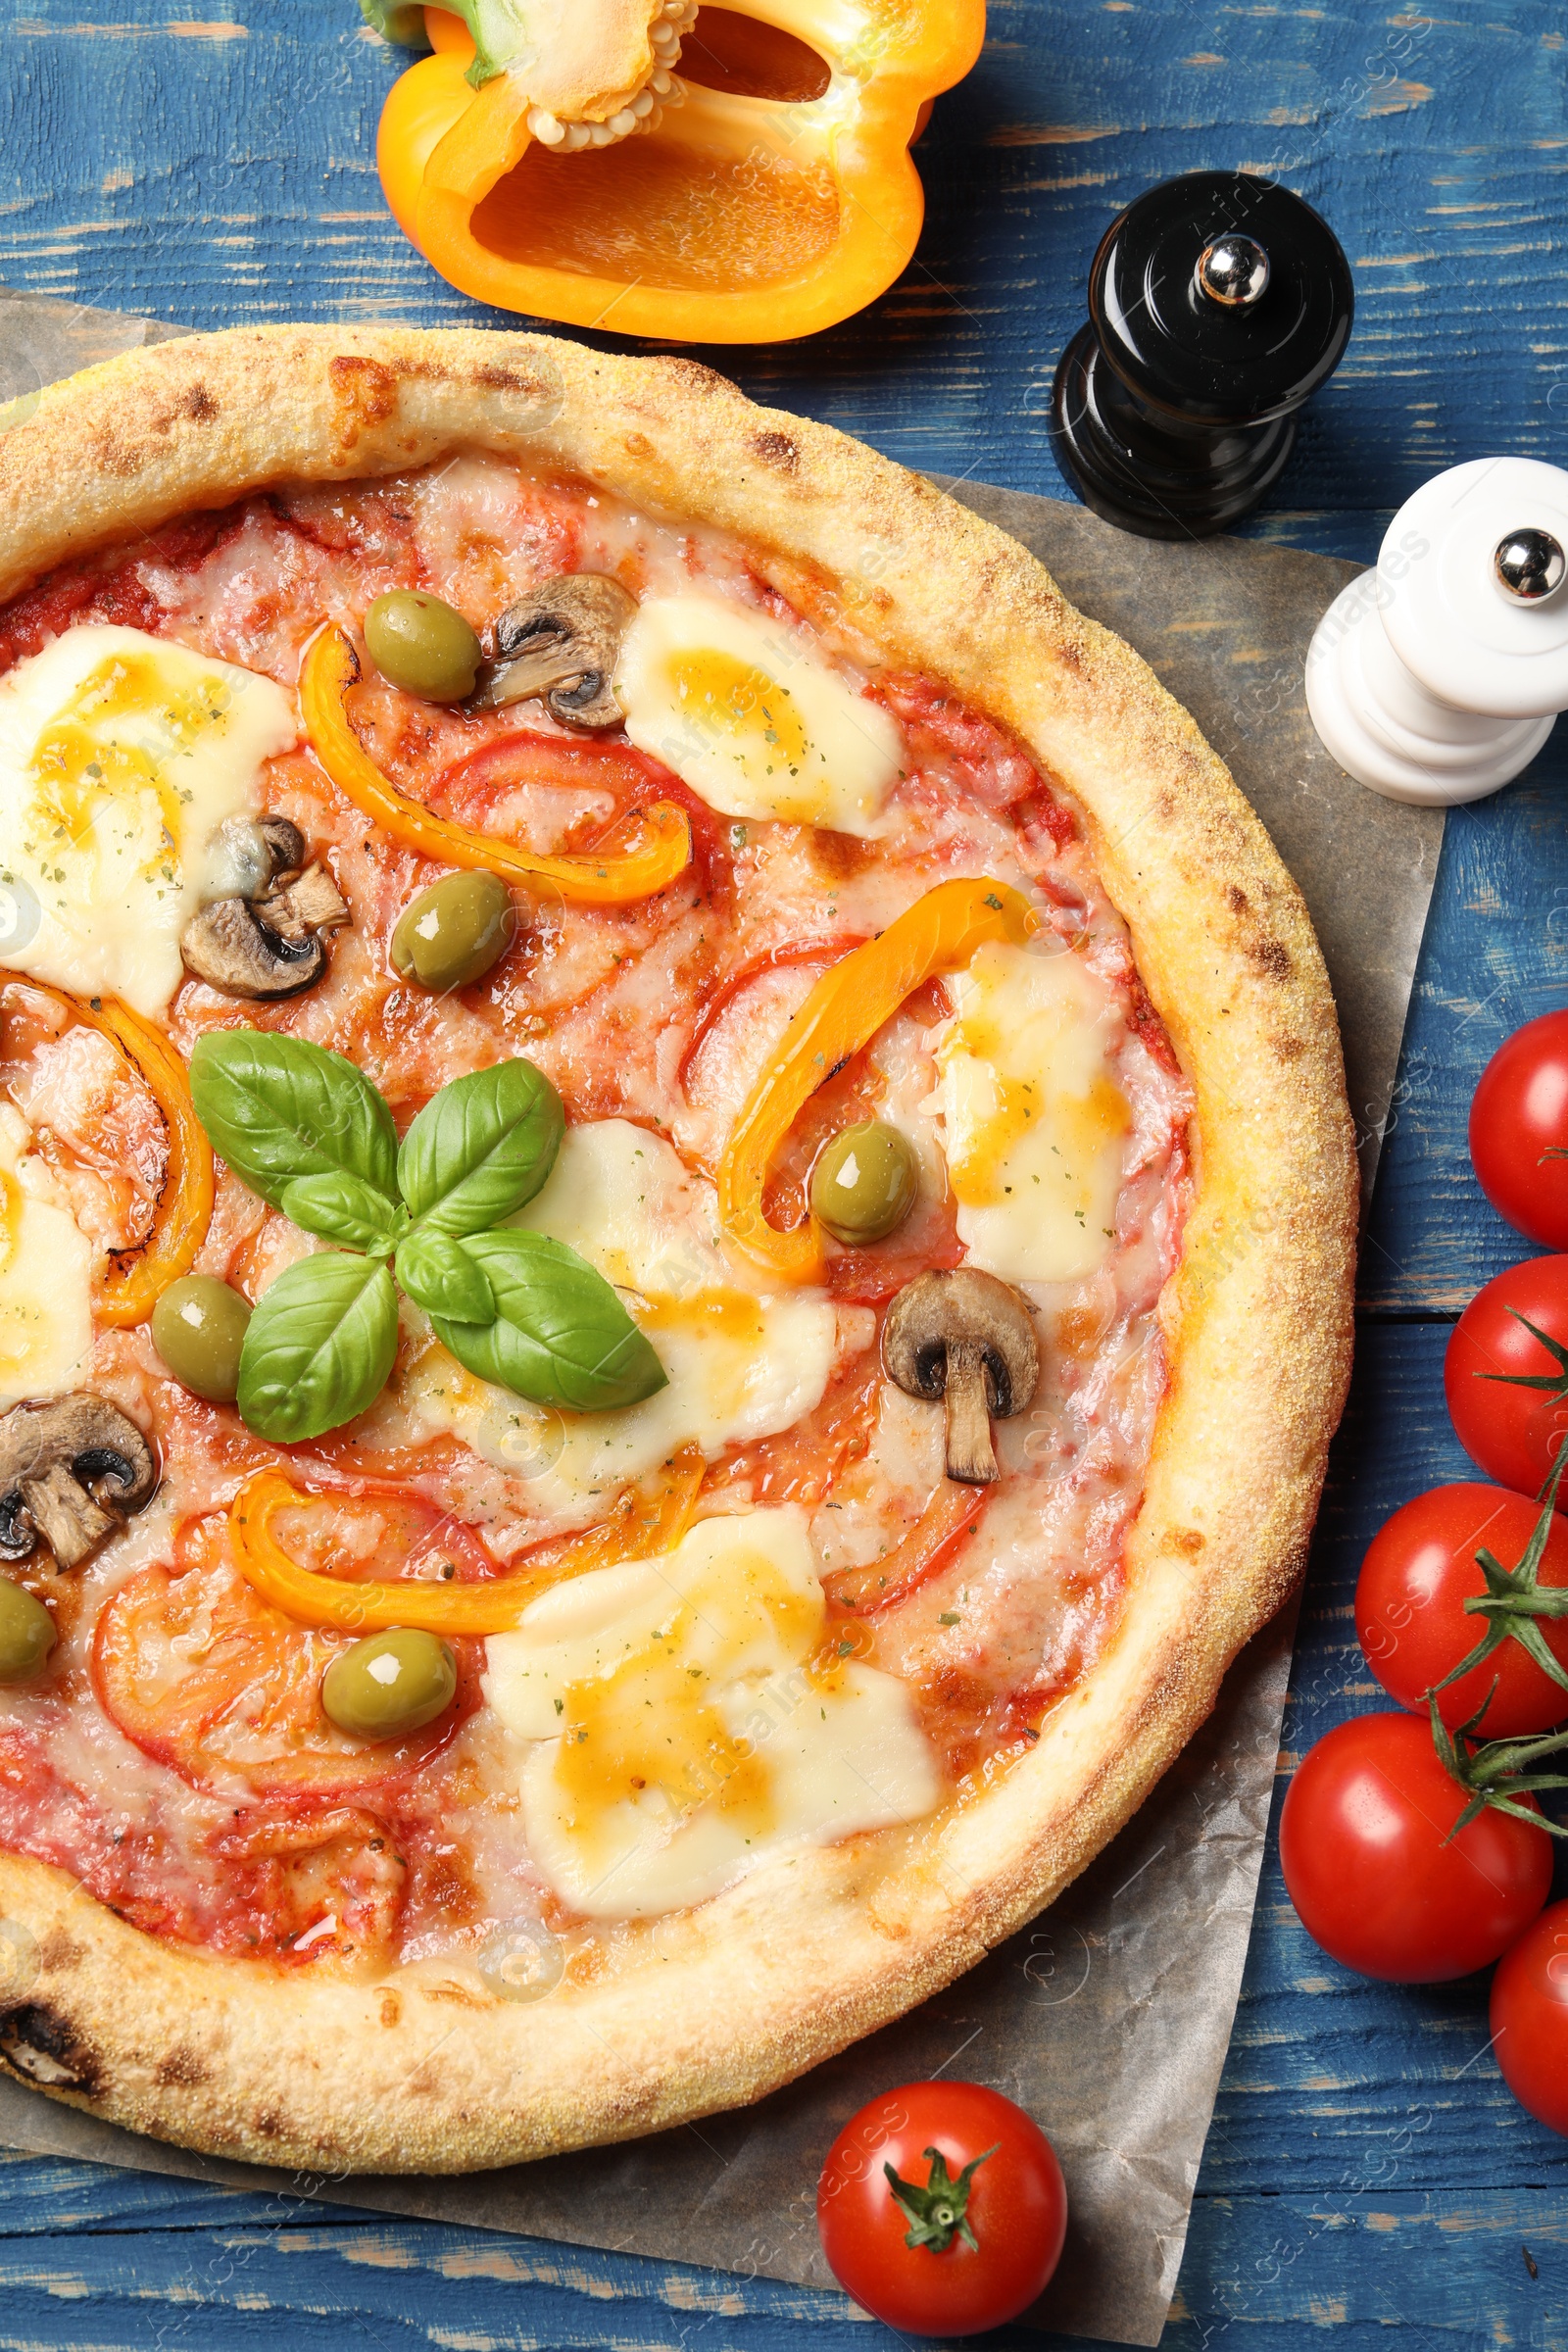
(561, 1335)
(345, 1208)
(278, 1108)
(440, 1276)
(319, 1347)
(481, 1148)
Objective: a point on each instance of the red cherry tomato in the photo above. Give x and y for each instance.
(1518, 1122)
(1410, 1617)
(1012, 2205)
(1371, 1869)
(1530, 2018)
(1513, 1433)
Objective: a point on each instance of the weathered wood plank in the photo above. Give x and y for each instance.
(222, 170)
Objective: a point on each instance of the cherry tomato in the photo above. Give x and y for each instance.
(1371, 1869)
(1519, 1128)
(1530, 2018)
(988, 2212)
(1513, 1433)
(1410, 1617)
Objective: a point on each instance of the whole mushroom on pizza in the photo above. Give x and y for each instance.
(678, 1233)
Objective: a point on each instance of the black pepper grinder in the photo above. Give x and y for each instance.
(1217, 304)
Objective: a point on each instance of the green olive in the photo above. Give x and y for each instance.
(422, 645)
(864, 1183)
(390, 1684)
(454, 931)
(199, 1329)
(26, 1632)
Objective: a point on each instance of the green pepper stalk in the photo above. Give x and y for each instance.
(500, 30)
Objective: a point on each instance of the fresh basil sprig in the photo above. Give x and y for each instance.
(308, 1132)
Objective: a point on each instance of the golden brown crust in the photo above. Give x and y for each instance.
(796, 1961)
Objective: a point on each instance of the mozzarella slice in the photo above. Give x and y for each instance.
(120, 755)
(1035, 1122)
(46, 1271)
(752, 718)
(740, 1364)
(680, 1730)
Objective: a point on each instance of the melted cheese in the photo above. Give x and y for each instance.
(751, 718)
(1035, 1122)
(46, 1272)
(680, 1730)
(740, 1364)
(120, 755)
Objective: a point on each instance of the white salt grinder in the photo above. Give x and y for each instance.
(1438, 676)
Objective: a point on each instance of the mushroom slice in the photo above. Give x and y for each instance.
(560, 641)
(71, 1469)
(262, 935)
(969, 1338)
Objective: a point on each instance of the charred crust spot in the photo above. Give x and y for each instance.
(1185, 1540)
(1271, 959)
(391, 2008)
(181, 2066)
(269, 2125)
(1236, 899)
(638, 445)
(44, 2047)
(199, 405)
(513, 380)
(110, 456)
(60, 1951)
(1290, 1048)
(365, 393)
(777, 449)
(697, 378)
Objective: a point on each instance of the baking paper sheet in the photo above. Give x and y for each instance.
(1110, 2017)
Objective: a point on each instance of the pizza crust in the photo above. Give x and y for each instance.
(427, 2071)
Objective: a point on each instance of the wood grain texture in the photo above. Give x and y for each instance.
(1366, 2174)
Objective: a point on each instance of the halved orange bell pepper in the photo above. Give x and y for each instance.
(131, 1289)
(654, 851)
(640, 1526)
(844, 1012)
(777, 200)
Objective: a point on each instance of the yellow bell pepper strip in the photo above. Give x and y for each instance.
(640, 1526)
(133, 1288)
(735, 218)
(844, 1012)
(654, 851)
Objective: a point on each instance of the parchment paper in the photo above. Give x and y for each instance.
(1109, 2018)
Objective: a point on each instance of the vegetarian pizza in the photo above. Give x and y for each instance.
(676, 1216)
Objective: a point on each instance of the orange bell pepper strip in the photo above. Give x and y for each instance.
(949, 1515)
(131, 1289)
(844, 1012)
(657, 848)
(806, 202)
(640, 1526)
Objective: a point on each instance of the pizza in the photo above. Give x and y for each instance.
(678, 1219)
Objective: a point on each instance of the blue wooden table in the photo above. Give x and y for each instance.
(1366, 2171)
